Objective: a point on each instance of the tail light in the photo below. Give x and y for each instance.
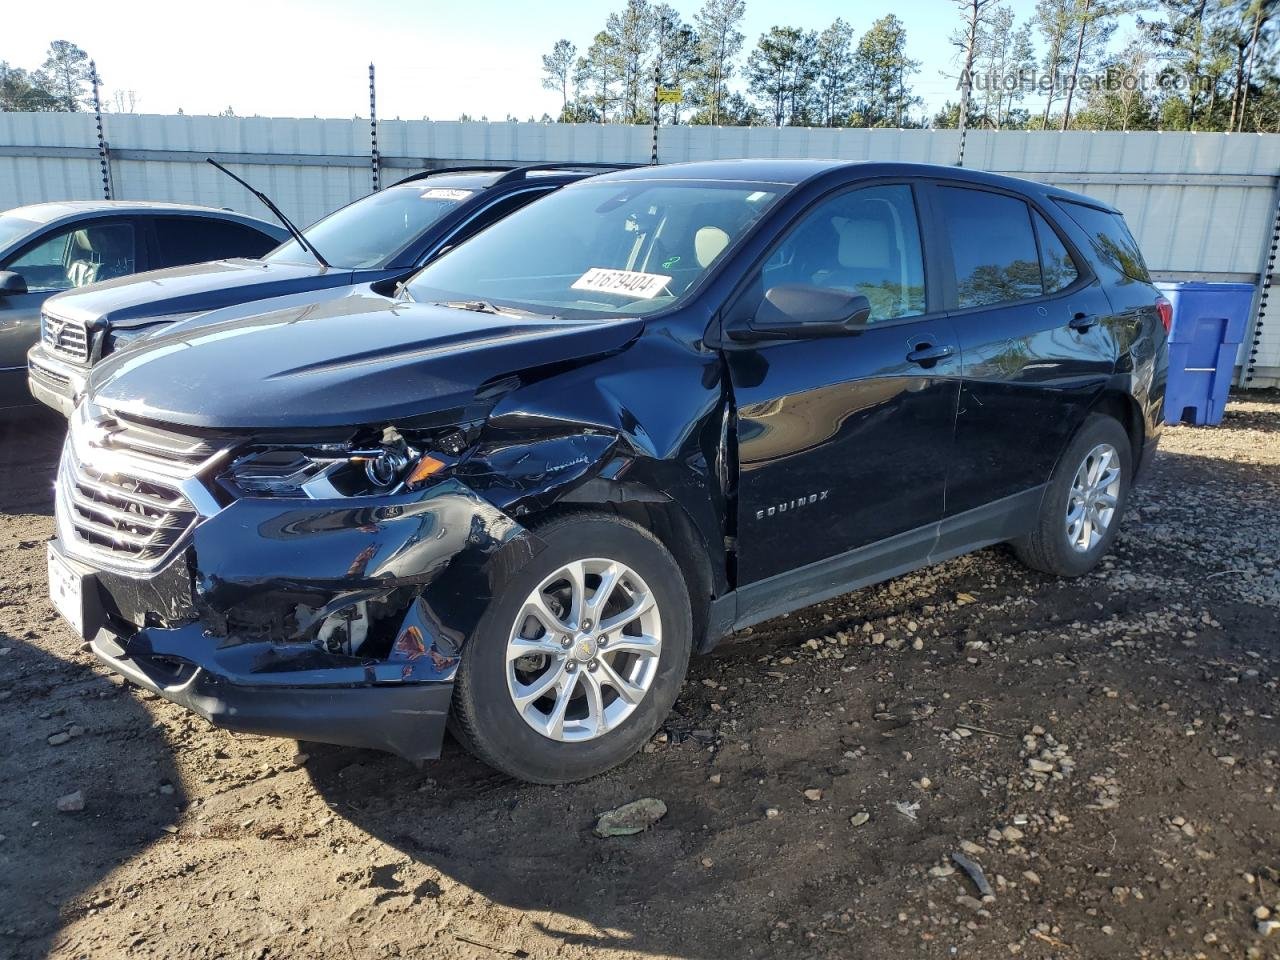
(1165, 309)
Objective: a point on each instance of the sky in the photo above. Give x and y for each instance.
(304, 58)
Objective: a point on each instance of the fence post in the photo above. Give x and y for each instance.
(104, 159)
(373, 127)
(1257, 316)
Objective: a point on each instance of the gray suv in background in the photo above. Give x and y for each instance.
(46, 248)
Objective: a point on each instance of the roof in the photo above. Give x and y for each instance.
(61, 209)
(479, 178)
(795, 172)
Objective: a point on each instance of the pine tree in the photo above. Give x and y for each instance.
(881, 69)
(835, 69)
(557, 71)
(719, 43)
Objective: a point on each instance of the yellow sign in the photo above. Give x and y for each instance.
(669, 95)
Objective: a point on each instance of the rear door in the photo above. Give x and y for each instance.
(1031, 320)
(844, 441)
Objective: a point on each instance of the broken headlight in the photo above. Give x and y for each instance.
(326, 471)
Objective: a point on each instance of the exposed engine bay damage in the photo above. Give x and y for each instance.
(350, 579)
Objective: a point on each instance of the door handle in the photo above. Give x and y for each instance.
(1083, 321)
(927, 354)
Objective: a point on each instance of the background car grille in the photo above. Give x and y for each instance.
(122, 490)
(66, 337)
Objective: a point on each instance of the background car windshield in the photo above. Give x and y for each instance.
(13, 229)
(599, 248)
(374, 231)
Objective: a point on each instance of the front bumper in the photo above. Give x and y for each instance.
(272, 690)
(53, 381)
(227, 627)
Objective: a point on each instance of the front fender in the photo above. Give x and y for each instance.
(275, 569)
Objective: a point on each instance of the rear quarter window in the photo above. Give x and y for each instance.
(1111, 239)
(183, 240)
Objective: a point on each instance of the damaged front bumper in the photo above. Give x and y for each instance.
(285, 690)
(238, 624)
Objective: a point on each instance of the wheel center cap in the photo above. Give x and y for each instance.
(584, 648)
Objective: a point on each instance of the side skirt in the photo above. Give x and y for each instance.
(892, 557)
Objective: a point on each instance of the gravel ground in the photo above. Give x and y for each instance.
(1104, 749)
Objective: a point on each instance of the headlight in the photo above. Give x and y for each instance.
(325, 471)
(118, 339)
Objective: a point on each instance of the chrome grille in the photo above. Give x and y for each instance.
(66, 337)
(42, 372)
(125, 490)
(135, 522)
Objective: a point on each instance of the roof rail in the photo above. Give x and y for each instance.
(520, 173)
(472, 168)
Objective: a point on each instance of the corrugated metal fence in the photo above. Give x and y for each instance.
(1204, 206)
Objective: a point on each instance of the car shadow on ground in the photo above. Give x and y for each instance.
(531, 848)
(30, 443)
(107, 749)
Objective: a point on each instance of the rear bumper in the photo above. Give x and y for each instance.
(53, 381)
(283, 690)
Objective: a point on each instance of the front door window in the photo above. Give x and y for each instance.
(77, 256)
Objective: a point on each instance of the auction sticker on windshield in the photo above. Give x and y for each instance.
(627, 283)
(445, 193)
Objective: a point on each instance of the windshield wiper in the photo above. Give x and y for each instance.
(484, 306)
(266, 202)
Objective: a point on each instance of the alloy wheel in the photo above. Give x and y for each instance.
(1095, 492)
(584, 649)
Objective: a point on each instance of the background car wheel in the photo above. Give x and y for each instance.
(1081, 510)
(578, 661)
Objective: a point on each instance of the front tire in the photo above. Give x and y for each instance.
(1081, 509)
(577, 662)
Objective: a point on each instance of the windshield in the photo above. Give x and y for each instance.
(376, 230)
(621, 248)
(13, 229)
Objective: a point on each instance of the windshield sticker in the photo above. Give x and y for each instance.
(445, 193)
(626, 283)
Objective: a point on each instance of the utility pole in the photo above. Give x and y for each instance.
(373, 128)
(104, 161)
(657, 87)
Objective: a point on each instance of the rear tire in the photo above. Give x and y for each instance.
(1082, 506)
(538, 695)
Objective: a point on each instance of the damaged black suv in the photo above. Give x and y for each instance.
(652, 408)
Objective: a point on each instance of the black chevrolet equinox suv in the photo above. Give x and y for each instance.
(655, 407)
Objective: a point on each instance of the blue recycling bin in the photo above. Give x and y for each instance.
(1209, 321)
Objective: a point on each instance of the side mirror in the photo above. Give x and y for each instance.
(799, 311)
(11, 284)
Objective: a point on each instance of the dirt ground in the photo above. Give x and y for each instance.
(1106, 749)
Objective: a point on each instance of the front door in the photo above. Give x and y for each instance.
(62, 258)
(843, 441)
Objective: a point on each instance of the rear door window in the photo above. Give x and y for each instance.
(78, 255)
(993, 247)
(1111, 238)
(183, 240)
(1056, 265)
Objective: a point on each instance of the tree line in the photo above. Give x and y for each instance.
(1185, 65)
(63, 83)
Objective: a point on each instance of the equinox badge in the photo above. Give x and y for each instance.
(791, 505)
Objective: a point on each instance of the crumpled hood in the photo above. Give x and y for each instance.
(129, 301)
(359, 359)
